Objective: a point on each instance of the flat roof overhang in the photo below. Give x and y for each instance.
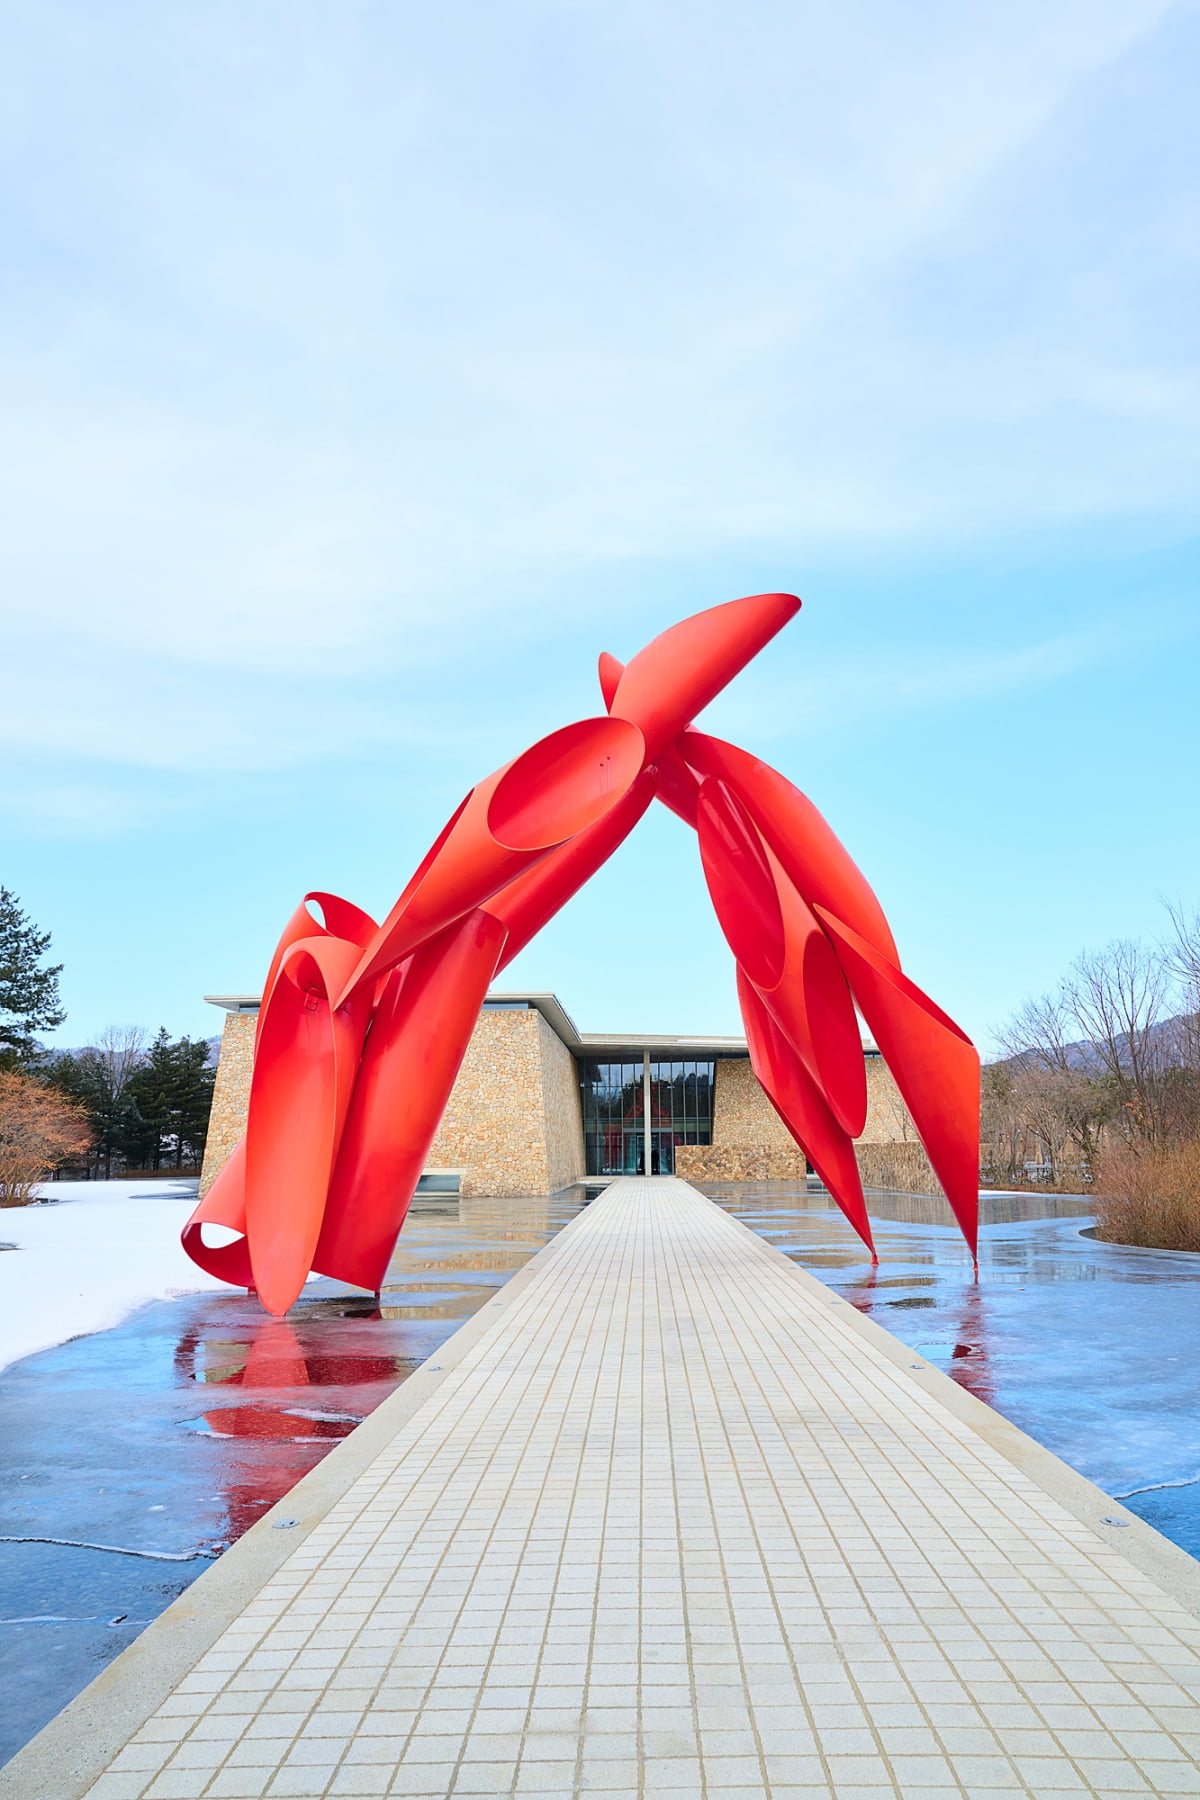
(618, 1045)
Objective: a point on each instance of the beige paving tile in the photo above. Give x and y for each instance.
(674, 1526)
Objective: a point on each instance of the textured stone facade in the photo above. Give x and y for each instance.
(739, 1162)
(901, 1168)
(742, 1117)
(231, 1094)
(562, 1110)
(888, 1121)
(512, 1123)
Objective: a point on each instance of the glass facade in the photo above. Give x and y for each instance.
(614, 1109)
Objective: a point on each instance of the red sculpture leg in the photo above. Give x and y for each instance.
(665, 685)
(413, 1052)
(797, 1100)
(936, 1067)
(819, 865)
(784, 952)
(224, 1204)
(559, 787)
(304, 1067)
(534, 897)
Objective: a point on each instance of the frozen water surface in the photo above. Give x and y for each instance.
(175, 1430)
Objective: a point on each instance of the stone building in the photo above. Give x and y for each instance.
(539, 1105)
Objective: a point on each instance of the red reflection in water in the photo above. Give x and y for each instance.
(272, 1355)
(296, 1413)
(862, 1294)
(970, 1363)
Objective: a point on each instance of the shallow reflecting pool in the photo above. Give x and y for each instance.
(172, 1433)
(1092, 1349)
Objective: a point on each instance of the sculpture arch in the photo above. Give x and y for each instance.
(363, 1027)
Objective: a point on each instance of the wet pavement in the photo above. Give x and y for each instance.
(171, 1434)
(1091, 1348)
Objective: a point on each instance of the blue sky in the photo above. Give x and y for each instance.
(368, 369)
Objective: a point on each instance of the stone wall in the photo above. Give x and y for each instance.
(742, 1114)
(493, 1127)
(888, 1121)
(739, 1162)
(231, 1094)
(562, 1110)
(902, 1168)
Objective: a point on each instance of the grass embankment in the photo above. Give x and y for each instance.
(1152, 1199)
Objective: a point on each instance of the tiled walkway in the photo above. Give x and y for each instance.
(676, 1526)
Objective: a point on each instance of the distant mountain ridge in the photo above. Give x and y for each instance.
(1173, 1037)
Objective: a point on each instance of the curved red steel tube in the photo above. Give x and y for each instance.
(363, 1028)
(797, 1099)
(784, 953)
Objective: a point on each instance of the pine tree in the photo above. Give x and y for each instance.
(100, 1079)
(28, 992)
(171, 1094)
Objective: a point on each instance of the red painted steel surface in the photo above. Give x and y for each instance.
(784, 953)
(936, 1067)
(304, 1069)
(417, 1040)
(813, 857)
(363, 1028)
(797, 1099)
(534, 897)
(225, 1205)
(555, 790)
(678, 788)
(665, 685)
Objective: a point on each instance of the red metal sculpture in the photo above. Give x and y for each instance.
(363, 1027)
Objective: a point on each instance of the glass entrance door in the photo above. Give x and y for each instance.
(614, 1105)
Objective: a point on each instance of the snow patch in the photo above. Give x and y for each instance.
(87, 1262)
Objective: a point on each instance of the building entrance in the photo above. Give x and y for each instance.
(615, 1095)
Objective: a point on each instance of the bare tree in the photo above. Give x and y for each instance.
(1182, 952)
(1117, 995)
(1043, 1033)
(120, 1049)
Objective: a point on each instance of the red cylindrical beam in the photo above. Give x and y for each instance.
(558, 788)
(526, 904)
(796, 1098)
(817, 863)
(304, 1067)
(416, 1043)
(778, 942)
(935, 1065)
(665, 685)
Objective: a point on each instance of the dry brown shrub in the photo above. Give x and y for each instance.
(39, 1129)
(1152, 1199)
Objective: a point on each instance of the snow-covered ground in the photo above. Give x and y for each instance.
(88, 1261)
